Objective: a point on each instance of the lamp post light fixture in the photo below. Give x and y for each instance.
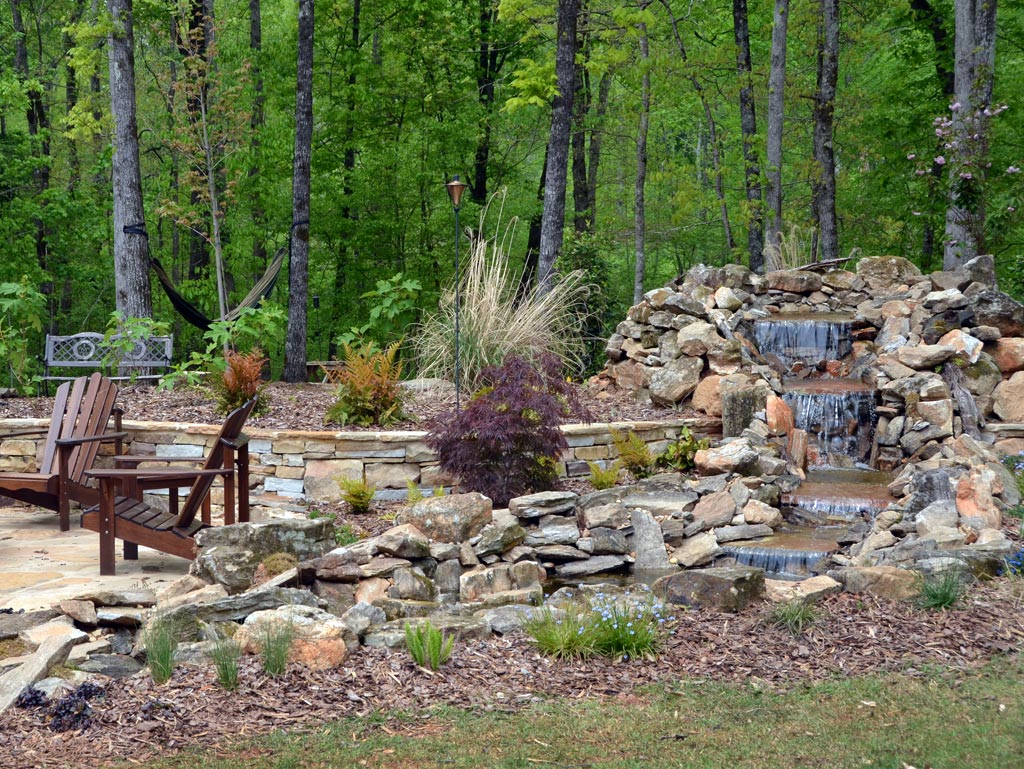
(455, 190)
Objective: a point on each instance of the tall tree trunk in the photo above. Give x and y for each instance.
(823, 187)
(38, 128)
(192, 42)
(716, 144)
(974, 69)
(131, 263)
(604, 88)
(748, 127)
(490, 58)
(639, 207)
(533, 236)
(256, 121)
(298, 269)
(553, 218)
(347, 252)
(776, 113)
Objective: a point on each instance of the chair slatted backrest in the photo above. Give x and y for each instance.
(81, 408)
(229, 435)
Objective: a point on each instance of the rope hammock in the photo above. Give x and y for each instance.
(195, 316)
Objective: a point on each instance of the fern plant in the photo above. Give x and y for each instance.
(241, 381)
(358, 493)
(634, 454)
(369, 392)
(604, 477)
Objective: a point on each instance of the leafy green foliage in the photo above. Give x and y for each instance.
(428, 646)
(507, 441)
(22, 309)
(345, 535)
(634, 454)
(604, 477)
(392, 311)
(562, 635)
(680, 453)
(358, 493)
(369, 389)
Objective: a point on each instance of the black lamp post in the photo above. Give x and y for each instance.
(455, 189)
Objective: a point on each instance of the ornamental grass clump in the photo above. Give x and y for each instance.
(507, 441)
(226, 655)
(497, 319)
(942, 591)
(795, 616)
(428, 646)
(161, 640)
(275, 642)
(562, 634)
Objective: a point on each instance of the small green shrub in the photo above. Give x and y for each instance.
(680, 453)
(941, 592)
(22, 312)
(226, 655)
(634, 454)
(429, 647)
(796, 616)
(345, 535)
(358, 493)
(369, 389)
(161, 639)
(562, 635)
(604, 477)
(275, 641)
(414, 493)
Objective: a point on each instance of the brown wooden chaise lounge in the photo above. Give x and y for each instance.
(123, 514)
(81, 410)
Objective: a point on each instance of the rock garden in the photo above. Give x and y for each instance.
(861, 477)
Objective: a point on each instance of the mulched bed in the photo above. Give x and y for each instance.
(856, 635)
(302, 407)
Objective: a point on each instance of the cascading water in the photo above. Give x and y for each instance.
(806, 338)
(839, 414)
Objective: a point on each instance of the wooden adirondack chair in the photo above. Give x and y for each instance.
(81, 411)
(126, 516)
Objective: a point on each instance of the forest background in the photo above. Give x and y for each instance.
(409, 93)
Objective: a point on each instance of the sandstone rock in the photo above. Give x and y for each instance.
(648, 542)
(938, 413)
(883, 581)
(361, 617)
(140, 597)
(52, 651)
(676, 380)
(726, 589)
(335, 597)
(503, 533)
(925, 356)
(237, 607)
(611, 516)
(755, 512)
(715, 510)
(318, 640)
(1008, 398)
(447, 575)
(779, 415)
(562, 553)
(947, 299)
(411, 584)
(885, 274)
(809, 590)
(12, 624)
(967, 347)
(599, 564)
(543, 503)
(1007, 353)
(404, 541)
(372, 590)
(697, 550)
(741, 532)
(707, 397)
(483, 581)
(382, 567)
(726, 299)
(337, 566)
(662, 503)
(686, 305)
(974, 498)
(450, 518)
(794, 281)
(229, 555)
(734, 457)
(82, 612)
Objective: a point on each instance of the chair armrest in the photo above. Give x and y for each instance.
(156, 478)
(91, 439)
(135, 459)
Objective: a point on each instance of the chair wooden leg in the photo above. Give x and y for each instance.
(229, 489)
(242, 474)
(107, 530)
(131, 551)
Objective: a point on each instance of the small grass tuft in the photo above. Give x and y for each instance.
(275, 641)
(226, 655)
(429, 647)
(604, 477)
(941, 592)
(795, 615)
(161, 638)
(562, 635)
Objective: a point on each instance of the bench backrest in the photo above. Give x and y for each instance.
(91, 350)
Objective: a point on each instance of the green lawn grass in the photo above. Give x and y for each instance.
(937, 719)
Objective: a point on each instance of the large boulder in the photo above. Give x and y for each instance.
(726, 589)
(994, 308)
(1008, 398)
(229, 555)
(737, 456)
(451, 518)
(318, 638)
(648, 542)
(676, 380)
(885, 274)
